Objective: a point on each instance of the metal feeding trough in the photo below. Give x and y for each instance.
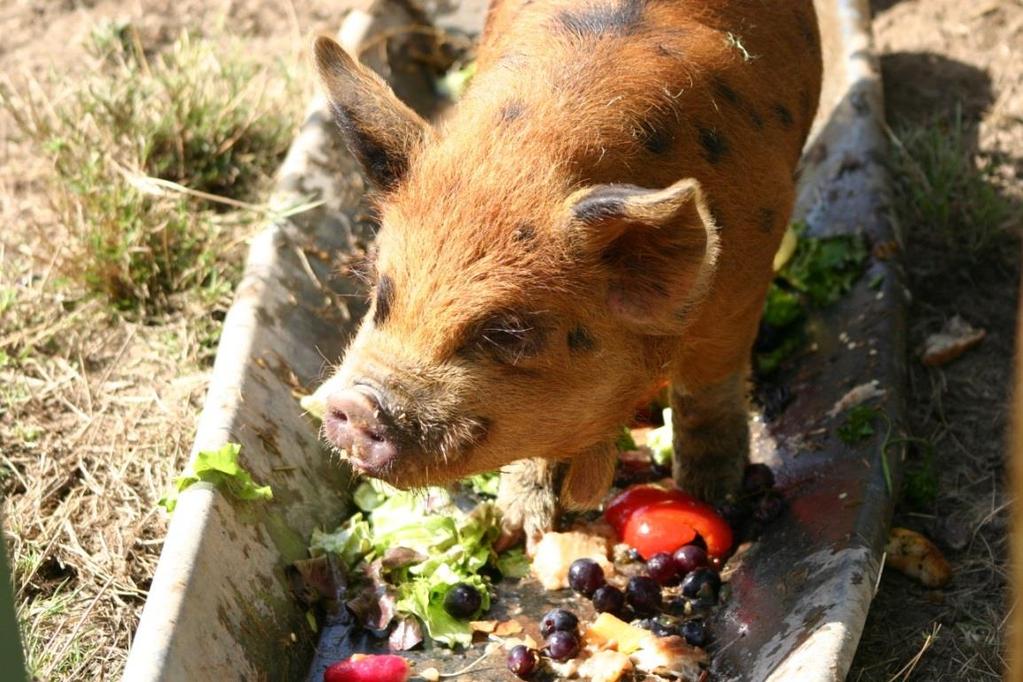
(219, 607)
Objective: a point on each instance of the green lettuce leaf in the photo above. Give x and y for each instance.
(221, 468)
(424, 598)
(624, 442)
(513, 563)
(351, 542)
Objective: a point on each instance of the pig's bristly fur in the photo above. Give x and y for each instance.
(619, 172)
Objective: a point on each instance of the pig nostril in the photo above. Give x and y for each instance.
(338, 415)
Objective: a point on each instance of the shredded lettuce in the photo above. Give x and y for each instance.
(513, 563)
(351, 541)
(450, 546)
(659, 441)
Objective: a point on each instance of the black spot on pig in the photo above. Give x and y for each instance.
(384, 299)
(783, 115)
(524, 233)
(512, 111)
(727, 93)
(580, 340)
(806, 29)
(765, 219)
(656, 137)
(594, 21)
(715, 146)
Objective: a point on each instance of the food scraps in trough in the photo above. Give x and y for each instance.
(418, 568)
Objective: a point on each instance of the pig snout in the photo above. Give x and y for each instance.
(356, 423)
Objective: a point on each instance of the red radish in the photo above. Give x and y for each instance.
(622, 507)
(667, 525)
(368, 668)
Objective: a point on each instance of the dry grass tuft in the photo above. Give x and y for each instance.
(110, 307)
(195, 114)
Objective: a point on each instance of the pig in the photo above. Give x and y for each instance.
(597, 215)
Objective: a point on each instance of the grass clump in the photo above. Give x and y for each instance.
(195, 114)
(940, 183)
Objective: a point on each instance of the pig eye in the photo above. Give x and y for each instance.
(510, 338)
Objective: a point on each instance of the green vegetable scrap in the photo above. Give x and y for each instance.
(659, 441)
(825, 268)
(624, 442)
(818, 273)
(443, 546)
(782, 307)
(221, 468)
(454, 83)
(486, 483)
(513, 563)
(858, 425)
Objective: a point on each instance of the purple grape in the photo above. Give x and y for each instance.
(769, 507)
(757, 479)
(462, 601)
(694, 632)
(522, 661)
(558, 619)
(699, 542)
(585, 576)
(562, 645)
(643, 594)
(703, 584)
(662, 568)
(608, 599)
(688, 558)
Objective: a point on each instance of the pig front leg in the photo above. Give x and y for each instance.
(526, 495)
(711, 437)
(526, 498)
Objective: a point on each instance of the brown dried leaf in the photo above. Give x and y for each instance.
(955, 338)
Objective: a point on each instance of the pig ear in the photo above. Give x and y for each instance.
(658, 248)
(380, 130)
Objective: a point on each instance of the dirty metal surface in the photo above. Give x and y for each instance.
(219, 604)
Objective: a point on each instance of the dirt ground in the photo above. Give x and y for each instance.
(940, 58)
(97, 416)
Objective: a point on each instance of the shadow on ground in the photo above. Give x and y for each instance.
(960, 411)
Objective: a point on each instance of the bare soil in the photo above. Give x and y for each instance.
(97, 410)
(97, 418)
(942, 59)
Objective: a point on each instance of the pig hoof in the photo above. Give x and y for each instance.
(711, 480)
